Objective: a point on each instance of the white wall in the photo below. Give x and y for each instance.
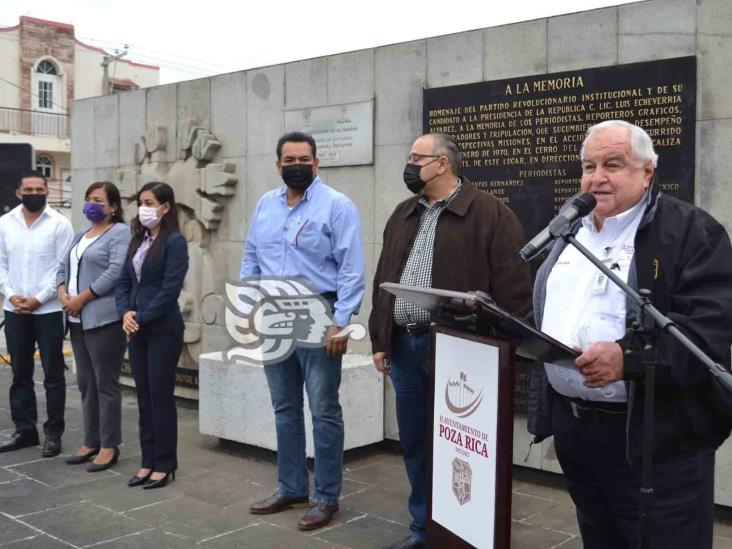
(88, 73)
(10, 68)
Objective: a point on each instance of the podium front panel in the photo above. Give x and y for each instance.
(470, 436)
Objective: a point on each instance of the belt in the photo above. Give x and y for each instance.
(595, 412)
(415, 329)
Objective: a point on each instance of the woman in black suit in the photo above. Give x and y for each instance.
(147, 299)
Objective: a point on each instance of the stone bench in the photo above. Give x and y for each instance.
(234, 402)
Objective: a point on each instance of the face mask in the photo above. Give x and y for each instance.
(148, 216)
(298, 176)
(412, 176)
(94, 212)
(34, 202)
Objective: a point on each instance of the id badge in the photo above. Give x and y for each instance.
(599, 285)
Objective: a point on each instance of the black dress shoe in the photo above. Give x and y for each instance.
(21, 439)
(51, 447)
(138, 481)
(160, 483)
(96, 467)
(78, 459)
(412, 542)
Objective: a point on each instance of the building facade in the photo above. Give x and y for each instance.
(43, 69)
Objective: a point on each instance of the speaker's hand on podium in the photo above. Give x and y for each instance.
(601, 364)
(382, 363)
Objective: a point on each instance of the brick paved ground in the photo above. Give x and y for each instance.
(45, 503)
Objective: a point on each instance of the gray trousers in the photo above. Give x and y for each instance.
(98, 353)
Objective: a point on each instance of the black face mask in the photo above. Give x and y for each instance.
(34, 202)
(412, 177)
(298, 176)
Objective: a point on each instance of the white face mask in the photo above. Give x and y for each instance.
(148, 216)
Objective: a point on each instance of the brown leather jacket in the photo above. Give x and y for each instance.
(476, 248)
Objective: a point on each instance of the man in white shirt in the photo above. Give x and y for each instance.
(34, 239)
(595, 411)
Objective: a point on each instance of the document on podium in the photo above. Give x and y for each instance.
(531, 344)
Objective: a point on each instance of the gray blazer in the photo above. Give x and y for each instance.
(99, 270)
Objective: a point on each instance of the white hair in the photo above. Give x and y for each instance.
(641, 143)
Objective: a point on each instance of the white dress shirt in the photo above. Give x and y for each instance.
(30, 256)
(583, 306)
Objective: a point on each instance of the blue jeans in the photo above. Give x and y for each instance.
(409, 356)
(321, 375)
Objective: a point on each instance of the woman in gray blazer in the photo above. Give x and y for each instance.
(86, 285)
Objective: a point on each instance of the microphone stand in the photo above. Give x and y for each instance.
(652, 323)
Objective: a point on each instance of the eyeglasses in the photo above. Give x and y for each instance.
(414, 157)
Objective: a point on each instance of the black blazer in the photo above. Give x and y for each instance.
(155, 295)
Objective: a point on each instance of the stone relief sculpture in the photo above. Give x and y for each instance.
(202, 188)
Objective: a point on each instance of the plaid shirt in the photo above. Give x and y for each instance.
(418, 270)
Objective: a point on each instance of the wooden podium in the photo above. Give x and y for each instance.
(470, 440)
(470, 435)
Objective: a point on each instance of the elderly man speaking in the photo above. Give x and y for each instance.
(595, 412)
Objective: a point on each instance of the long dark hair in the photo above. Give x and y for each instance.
(168, 224)
(113, 197)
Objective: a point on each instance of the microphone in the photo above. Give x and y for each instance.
(577, 207)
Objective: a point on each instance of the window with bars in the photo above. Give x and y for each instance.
(44, 165)
(45, 94)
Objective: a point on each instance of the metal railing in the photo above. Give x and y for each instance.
(34, 122)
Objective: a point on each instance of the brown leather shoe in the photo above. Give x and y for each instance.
(275, 503)
(317, 516)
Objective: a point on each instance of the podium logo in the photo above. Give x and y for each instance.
(462, 476)
(270, 316)
(461, 399)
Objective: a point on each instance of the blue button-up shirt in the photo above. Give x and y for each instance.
(319, 240)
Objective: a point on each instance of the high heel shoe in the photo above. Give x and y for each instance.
(83, 458)
(96, 467)
(137, 481)
(160, 483)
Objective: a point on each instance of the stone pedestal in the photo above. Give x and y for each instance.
(234, 403)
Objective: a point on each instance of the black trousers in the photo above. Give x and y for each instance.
(154, 354)
(22, 332)
(605, 488)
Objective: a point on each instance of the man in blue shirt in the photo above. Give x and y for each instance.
(310, 232)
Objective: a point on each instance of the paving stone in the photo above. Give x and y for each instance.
(555, 494)
(524, 536)
(83, 523)
(523, 506)
(56, 473)
(153, 538)
(573, 543)
(192, 519)
(557, 517)
(27, 496)
(13, 530)
(114, 494)
(207, 505)
(365, 532)
(40, 541)
(266, 536)
(381, 503)
(7, 475)
(26, 455)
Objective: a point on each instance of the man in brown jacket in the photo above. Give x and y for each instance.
(449, 236)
